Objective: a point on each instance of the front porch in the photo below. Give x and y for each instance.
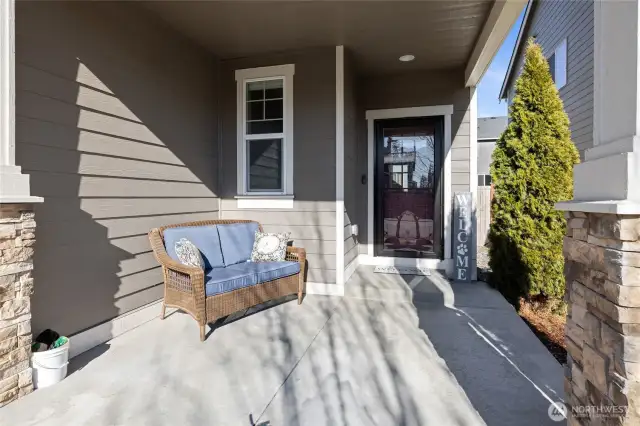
(120, 117)
(396, 350)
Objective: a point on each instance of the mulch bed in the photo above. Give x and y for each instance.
(547, 326)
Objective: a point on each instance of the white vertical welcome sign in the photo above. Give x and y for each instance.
(462, 241)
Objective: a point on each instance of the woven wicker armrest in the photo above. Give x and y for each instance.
(177, 275)
(296, 254)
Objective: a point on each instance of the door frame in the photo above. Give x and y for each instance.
(378, 221)
(415, 112)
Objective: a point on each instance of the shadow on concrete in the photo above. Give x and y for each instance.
(505, 371)
(79, 362)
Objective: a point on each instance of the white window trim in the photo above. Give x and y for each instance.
(243, 76)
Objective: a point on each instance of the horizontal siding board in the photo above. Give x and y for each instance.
(125, 207)
(42, 83)
(585, 122)
(579, 79)
(123, 227)
(321, 261)
(347, 232)
(565, 19)
(349, 243)
(461, 141)
(587, 130)
(326, 276)
(583, 139)
(584, 117)
(37, 132)
(322, 233)
(461, 115)
(579, 49)
(316, 246)
(36, 106)
(138, 299)
(350, 255)
(48, 58)
(551, 22)
(576, 99)
(460, 178)
(64, 210)
(581, 105)
(114, 262)
(580, 54)
(347, 219)
(68, 185)
(460, 166)
(287, 218)
(134, 245)
(460, 154)
(139, 281)
(573, 27)
(462, 130)
(40, 158)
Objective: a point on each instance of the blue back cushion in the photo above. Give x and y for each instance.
(204, 237)
(236, 241)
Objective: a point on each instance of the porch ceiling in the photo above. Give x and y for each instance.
(441, 34)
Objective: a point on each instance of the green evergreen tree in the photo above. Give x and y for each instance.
(532, 169)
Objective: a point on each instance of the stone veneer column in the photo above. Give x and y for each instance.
(17, 238)
(602, 246)
(602, 269)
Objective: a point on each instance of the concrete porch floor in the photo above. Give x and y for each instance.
(396, 350)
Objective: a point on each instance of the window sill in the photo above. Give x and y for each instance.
(259, 201)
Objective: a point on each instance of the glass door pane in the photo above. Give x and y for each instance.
(408, 170)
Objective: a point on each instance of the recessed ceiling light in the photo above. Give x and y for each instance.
(407, 58)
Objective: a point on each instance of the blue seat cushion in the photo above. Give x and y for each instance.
(236, 241)
(204, 237)
(246, 274)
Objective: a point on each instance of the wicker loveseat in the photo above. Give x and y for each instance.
(228, 283)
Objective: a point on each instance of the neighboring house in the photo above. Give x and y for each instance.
(565, 30)
(130, 116)
(489, 130)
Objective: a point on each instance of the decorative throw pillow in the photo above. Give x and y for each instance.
(188, 253)
(269, 247)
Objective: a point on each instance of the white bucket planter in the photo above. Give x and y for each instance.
(50, 367)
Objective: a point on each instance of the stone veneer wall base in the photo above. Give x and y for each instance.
(602, 270)
(17, 240)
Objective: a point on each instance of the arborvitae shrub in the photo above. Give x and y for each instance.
(532, 169)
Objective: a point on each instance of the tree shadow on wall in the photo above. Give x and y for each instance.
(117, 141)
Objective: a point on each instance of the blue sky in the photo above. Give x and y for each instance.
(489, 86)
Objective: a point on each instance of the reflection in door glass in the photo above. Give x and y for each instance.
(409, 189)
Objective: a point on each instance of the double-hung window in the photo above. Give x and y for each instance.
(265, 131)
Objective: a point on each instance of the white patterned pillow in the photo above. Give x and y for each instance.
(188, 253)
(269, 247)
